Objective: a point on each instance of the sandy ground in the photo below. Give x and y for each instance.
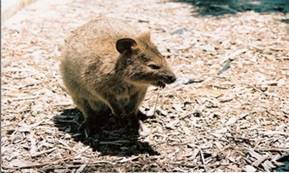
(228, 110)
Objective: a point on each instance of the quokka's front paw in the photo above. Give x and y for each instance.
(89, 128)
(121, 114)
(82, 129)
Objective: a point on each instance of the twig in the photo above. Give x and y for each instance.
(24, 98)
(227, 65)
(272, 149)
(42, 152)
(257, 89)
(203, 160)
(81, 168)
(186, 165)
(37, 165)
(94, 162)
(128, 159)
(230, 58)
(225, 7)
(156, 102)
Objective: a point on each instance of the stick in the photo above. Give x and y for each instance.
(203, 160)
(156, 102)
(37, 165)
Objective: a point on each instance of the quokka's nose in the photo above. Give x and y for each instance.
(171, 78)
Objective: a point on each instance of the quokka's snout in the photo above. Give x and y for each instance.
(162, 79)
(169, 78)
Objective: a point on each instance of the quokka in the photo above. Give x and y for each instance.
(106, 64)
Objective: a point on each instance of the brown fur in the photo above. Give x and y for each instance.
(107, 64)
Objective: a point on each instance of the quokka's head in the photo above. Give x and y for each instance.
(142, 63)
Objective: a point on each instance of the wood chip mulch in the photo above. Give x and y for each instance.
(228, 110)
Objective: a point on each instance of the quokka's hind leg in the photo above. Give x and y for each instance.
(89, 115)
(102, 114)
(99, 107)
(83, 106)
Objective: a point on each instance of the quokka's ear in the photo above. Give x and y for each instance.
(145, 36)
(125, 44)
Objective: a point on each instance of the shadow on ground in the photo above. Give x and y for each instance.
(112, 139)
(222, 7)
(284, 166)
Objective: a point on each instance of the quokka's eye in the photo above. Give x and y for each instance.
(154, 66)
(144, 58)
